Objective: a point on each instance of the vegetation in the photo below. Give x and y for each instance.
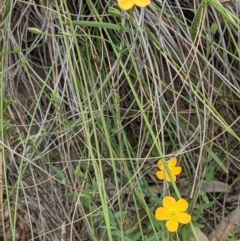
(92, 97)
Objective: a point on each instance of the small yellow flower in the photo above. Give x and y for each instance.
(127, 4)
(162, 174)
(173, 212)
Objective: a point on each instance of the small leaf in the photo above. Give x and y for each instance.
(214, 28)
(116, 99)
(55, 98)
(77, 172)
(114, 12)
(59, 174)
(35, 30)
(70, 195)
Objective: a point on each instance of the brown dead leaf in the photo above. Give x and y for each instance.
(226, 227)
(215, 186)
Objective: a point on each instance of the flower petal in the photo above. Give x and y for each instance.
(160, 164)
(184, 218)
(172, 225)
(172, 162)
(173, 177)
(142, 3)
(125, 4)
(169, 202)
(176, 170)
(160, 175)
(162, 214)
(167, 177)
(182, 205)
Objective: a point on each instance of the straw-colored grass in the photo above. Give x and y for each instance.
(92, 97)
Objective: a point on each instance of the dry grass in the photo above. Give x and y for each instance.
(87, 110)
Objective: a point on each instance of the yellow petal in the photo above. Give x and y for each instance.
(162, 214)
(172, 162)
(182, 205)
(160, 175)
(168, 178)
(142, 3)
(160, 163)
(161, 167)
(169, 202)
(125, 4)
(176, 170)
(172, 225)
(184, 218)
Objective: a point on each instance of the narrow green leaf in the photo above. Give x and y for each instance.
(66, 34)
(198, 19)
(226, 14)
(7, 8)
(217, 160)
(95, 24)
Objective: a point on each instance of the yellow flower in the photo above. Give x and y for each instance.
(173, 212)
(127, 4)
(162, 174)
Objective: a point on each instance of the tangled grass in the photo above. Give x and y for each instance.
(92, 97)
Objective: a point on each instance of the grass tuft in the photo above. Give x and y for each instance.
(92, 97)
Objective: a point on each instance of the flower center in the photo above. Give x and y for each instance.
(173, 213)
